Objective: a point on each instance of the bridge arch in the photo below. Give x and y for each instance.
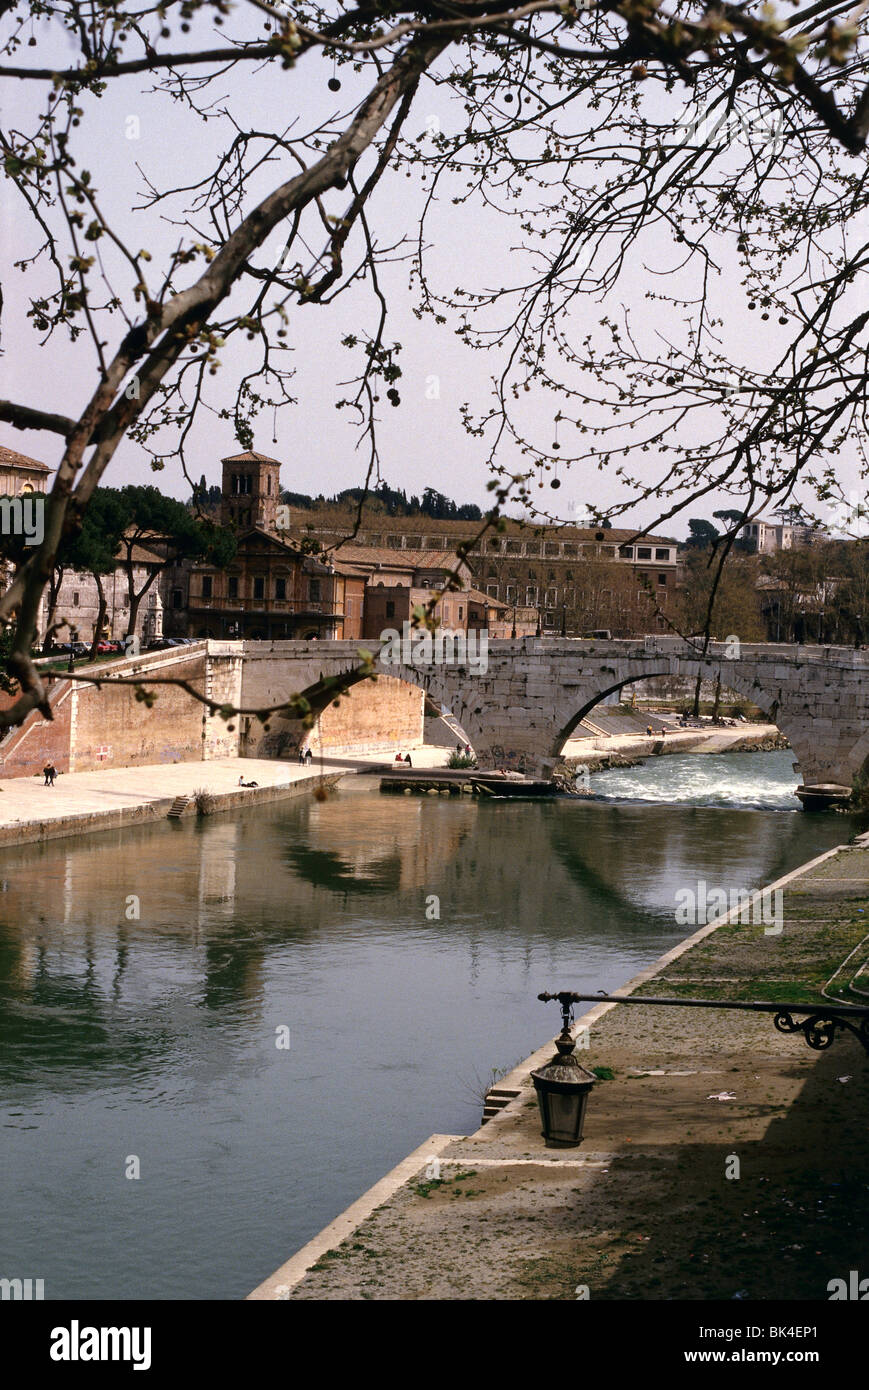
(744, 684)
(519, 707)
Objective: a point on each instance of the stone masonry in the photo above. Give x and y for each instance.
(521, 711)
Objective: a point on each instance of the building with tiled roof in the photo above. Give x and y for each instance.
(18, 473)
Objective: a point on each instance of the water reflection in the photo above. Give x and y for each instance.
(155, 1034)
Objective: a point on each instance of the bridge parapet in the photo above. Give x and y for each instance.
(520, 705)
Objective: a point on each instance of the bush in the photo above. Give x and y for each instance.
(461, 760)
(860, 788)
(205, 802)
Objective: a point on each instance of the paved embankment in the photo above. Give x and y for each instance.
(80, 802)
(722, 1160)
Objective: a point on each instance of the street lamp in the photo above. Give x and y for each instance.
(562, 1086)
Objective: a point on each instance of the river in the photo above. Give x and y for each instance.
(155, 1043)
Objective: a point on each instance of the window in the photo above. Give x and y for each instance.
(626, 552)
(177, 598)
(569, 550)
(206, 585)
(532, 548)
(551, 598)
(531, 596)
(281, 589)
(75, 599)
(491, 590)
(269, 485)
(644, 552)
(662, 578)
(259, 586)
(314, 590)
(461, 613)
(511, 593)
(233, 586)
(551, 548)
(662, 554)
(514, 547)
(549, 619)
(390, 608)
(494, 545)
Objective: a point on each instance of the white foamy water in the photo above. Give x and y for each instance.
(762, 781)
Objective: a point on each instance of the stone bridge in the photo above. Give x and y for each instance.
(521, 710)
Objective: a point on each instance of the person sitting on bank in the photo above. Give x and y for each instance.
(407, 760)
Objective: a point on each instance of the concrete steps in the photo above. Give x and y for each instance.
(496, 1098)
(179, 805)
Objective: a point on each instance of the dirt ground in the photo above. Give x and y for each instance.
(723, 1159)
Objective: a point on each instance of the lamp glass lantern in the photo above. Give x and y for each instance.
(563, 1087)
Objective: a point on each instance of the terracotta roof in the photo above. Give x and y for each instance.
(384, 557)
(312, 562)
(348, 570)
(141, 555)
(339, 519)
(249, 457)
(10, 459)
(479, 597)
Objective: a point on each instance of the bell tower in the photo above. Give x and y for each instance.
(251, 491)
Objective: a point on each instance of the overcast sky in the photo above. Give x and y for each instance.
(422, 442)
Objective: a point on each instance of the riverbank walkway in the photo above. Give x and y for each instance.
(110, 797)
(84, 801)
(722, 1160)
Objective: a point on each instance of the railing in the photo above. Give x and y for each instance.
(818, 1023)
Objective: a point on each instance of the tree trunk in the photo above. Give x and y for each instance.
(54, 584)
(717, 701)
(136, 598)
(697, 685)
(101, 617)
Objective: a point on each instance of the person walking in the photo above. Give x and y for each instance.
(46, 772)
(52, 773)
(301, 754)
(309, 757)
